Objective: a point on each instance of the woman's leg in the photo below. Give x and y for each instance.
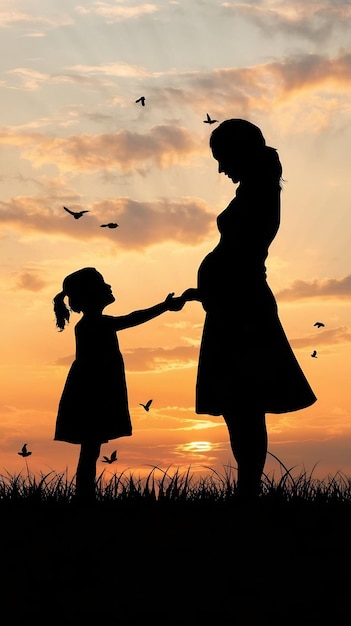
(86, 470)
(248, 439)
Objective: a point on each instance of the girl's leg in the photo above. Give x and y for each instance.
(248, 439)
(86, 470)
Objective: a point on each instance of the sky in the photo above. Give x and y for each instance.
(71, 134)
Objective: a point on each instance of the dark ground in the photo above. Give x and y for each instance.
(286, 565)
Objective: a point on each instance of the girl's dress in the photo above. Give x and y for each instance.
(245, 356)
(94, 402)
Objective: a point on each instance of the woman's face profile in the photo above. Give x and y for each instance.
(228, 164)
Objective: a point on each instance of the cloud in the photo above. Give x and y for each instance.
(112, 13)
(320, 288)
(324, 338)
(88, 76)
(30, 281)
(29, 79)
(186, 220)
(151, 359)
(162, 146)
(260, 86)
(65, 361)
(311, 70)
(160, 359)
(312, 86)
(12, 17)
(248, 91)
(315, 20)
(141, 224)
(112, 69)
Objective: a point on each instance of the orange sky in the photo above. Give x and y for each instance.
(72, 134)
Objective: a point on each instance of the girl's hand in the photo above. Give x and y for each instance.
(174, 304)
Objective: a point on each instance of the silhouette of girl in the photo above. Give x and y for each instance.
(94, 404)
(246, 365)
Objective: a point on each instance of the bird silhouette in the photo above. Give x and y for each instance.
(112, 458)
(209, 120)
(76, 214)
(109, 225)
(24, 451)
(147, 405)
(319, 324)
(142, 100)
(314, 354)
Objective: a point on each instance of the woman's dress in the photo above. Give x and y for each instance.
(245, 357)
(94, 401)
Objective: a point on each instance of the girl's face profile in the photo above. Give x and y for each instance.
(100, 292)
(104, 293)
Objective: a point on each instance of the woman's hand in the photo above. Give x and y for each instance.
(191, 294)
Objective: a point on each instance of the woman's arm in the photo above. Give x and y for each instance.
(144, 315)
(191, 294)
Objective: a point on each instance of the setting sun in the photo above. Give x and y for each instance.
(197, 446)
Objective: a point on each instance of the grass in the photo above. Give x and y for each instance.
(178, 488)
(176, 549)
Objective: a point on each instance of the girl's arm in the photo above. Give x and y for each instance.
(144, 315)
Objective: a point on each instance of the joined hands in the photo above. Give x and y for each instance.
(176, 304)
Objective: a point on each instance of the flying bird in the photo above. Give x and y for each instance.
(76, 214)
(112, 458)
(109, 225)
(209, 120)
(142, 100)
(147, 405)
(319, 324)
(314, 354)
(24, 451)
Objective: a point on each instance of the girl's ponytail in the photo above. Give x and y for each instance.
(61, 310)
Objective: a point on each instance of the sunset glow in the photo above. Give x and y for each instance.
(197, 446)
(72, 134)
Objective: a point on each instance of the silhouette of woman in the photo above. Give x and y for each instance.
(94, 404)
(246, 365)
